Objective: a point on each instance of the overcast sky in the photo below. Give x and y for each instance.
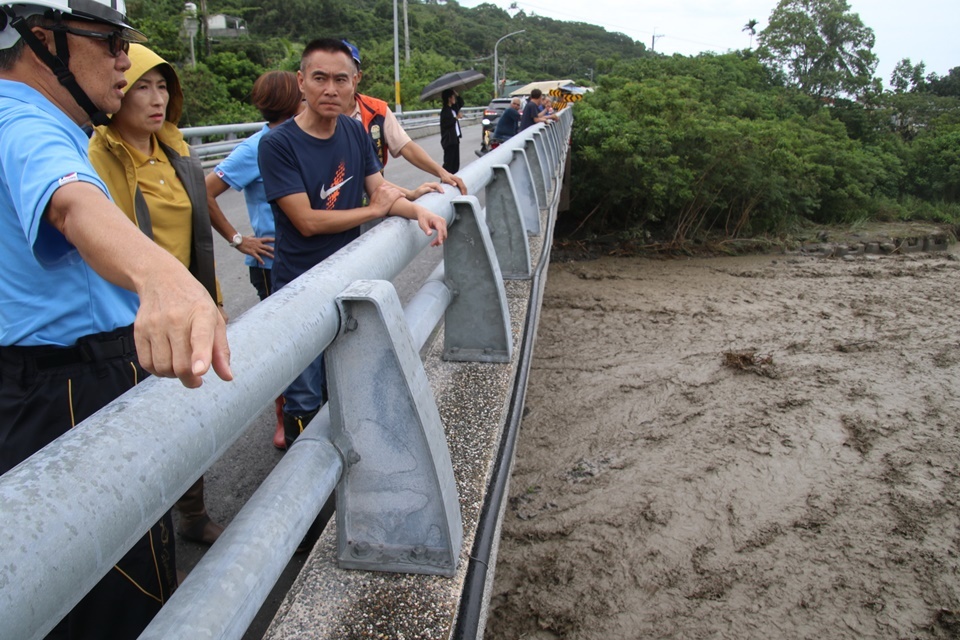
(927, 30)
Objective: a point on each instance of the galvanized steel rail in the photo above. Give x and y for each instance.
(74, 508)
(233, 134)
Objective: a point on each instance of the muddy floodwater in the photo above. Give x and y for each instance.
(751, 447)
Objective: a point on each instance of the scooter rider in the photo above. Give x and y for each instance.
(509, 123)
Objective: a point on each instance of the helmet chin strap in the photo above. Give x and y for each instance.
(59, 64)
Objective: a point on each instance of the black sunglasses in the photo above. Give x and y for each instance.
(115, 39)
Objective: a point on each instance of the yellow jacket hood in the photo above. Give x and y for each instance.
(143, 60)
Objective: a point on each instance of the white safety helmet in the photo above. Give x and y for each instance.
(112, 12)
(13, 28)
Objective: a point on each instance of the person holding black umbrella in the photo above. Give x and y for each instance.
(387, 135)
(450, 129)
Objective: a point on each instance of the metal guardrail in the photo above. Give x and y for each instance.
(74, 508)
(233, 134)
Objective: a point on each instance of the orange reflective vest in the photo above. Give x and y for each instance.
(373, 114)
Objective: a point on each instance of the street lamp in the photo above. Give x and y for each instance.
(190, 27)
(496, 82)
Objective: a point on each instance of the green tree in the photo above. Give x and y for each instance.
(948, 85)
(238, 71)
(206, 100)
(822, 48)
(162, 22)
(751, 28)
(934, 165)
(908, 77)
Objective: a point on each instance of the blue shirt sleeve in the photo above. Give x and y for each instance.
(33, 172)
(240, 168)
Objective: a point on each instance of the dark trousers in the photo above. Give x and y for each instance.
(44, 392)
(451, 158)
(260, 279)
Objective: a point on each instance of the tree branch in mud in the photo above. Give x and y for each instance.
(750, 360)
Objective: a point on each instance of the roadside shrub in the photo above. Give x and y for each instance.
(684, 146)
(933, 165)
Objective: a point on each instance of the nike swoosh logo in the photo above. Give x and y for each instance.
(325, 193)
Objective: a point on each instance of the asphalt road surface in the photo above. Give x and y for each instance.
(237, 475)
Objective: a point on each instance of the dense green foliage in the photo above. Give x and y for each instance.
(443, 37)
(760, 142)
(681, 146)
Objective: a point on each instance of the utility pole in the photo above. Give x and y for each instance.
(190, 27)
(406, 34)
(653, 40)
(396, 59)
(203, 26)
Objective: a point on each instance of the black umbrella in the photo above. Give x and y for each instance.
(457, 80)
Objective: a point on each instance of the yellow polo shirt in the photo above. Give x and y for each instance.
(167, 200)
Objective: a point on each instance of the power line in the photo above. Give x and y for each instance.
(618, 28)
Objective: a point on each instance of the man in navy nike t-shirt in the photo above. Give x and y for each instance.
(316, 168)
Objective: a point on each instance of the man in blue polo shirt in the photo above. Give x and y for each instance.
(75, 267)
(316, 167)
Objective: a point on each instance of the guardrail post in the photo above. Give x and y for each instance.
(557, 146)
(550, 152)
(556, 134)
(537, 170)
(526, 191)
(505, 223)
(477, 322)
(545, 163)
(553, 143)
(397, 504)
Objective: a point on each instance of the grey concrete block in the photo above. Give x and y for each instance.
(910, 245)
(936, 243)
(857, 249)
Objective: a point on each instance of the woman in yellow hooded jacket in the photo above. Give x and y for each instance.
(153, 177)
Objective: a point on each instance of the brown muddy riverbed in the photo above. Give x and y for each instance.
(759, 447)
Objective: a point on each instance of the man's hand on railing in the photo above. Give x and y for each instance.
(384, 197)
(448, 178)
(431, 222)
(424, 189)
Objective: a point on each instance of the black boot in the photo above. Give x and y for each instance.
(195, 522)
(293, 425)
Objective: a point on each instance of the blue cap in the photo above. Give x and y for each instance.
(353, 52)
